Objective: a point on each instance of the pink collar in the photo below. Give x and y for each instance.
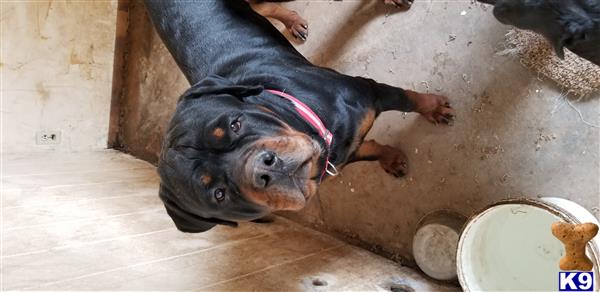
(310, 117)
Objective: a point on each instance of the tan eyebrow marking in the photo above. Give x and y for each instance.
(206, 179)
(218, 133)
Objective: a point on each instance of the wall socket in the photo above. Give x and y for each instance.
(47, 137)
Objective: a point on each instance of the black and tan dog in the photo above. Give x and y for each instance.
(572, 24)
(262, 126)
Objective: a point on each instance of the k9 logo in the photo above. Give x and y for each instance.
(575, 281)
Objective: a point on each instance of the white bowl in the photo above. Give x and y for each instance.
(435, 242)
(509, 245)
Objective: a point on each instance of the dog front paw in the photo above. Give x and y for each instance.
(405, 4)
(435, 108)
(297, 26)
(395, 162)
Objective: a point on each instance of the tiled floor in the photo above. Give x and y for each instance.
(93, 221)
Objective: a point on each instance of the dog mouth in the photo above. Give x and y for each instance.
(308, 173)
(283, 176)
(302, 178)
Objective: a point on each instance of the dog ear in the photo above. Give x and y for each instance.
(216, 85)
(186, 221)
(567, 39)
(558, 44)
(575, 30)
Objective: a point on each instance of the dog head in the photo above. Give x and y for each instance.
(563, 22)
(225, 159)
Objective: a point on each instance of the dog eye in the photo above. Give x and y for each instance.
(219, 195)
(235, 126)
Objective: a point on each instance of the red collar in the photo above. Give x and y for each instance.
(310, 117)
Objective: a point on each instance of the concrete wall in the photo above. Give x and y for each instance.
(57, 64)
(513, 136)
(152, 83)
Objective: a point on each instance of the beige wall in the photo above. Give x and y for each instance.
(57, 63)
(152, 84)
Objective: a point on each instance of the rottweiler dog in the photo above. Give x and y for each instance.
(574, 24)
(261, 126)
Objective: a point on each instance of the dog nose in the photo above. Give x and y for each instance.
(266, 168)
(268, 158)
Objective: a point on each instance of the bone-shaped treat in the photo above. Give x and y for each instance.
(575, 237)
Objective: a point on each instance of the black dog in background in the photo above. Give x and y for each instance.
(574, 24)
(242, 141)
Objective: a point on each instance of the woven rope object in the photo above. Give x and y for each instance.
(574, 74)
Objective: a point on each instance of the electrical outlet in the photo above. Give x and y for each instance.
(47, 137)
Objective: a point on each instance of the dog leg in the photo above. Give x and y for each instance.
(435, 108)
(391, 159)
(297, 26)
(399, 3)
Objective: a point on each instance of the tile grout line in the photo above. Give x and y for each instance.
(145, 263)
(133, 181)
(77, 184)
(1, 170)
(73, 171)
(89, 157)
(271, 267)
(81, 220)
(86, 243)
(80, 201)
